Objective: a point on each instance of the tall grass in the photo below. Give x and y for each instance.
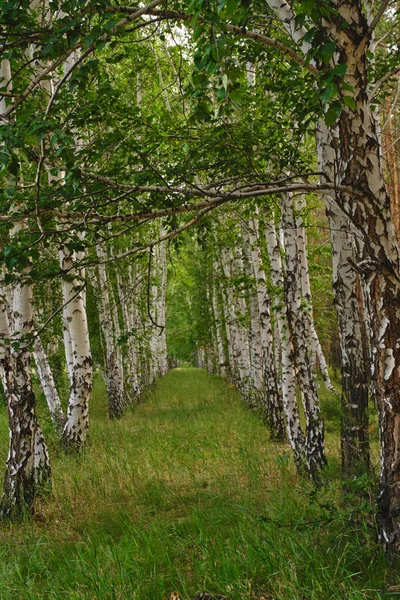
(187, 494)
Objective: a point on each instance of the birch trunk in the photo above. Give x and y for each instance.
(229, 325)
(223, 311)
(358, 166)
(392, 156)
(255, 345)
(48, 385)
(273, 397)
(241, 312)
(28, 471)
(306, 291)
(295, 433)
(355, 444)
(28, 467)
(240, 349)
(77, 422)
(351, 320)
(128, 292)
(220, 350)
(214, 368)
(163, 353)
(300, 329)
(113, 360)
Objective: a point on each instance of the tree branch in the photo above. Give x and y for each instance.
(378, 15)
(243, 32)
(105, 37)
(383, 80)
(144, 247)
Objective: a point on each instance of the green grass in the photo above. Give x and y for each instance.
(187, 493)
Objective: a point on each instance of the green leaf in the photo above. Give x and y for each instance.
(309, 36)
(340, 70)
(110, 24)
(300, 20)
(197, 32)
(326, 94)
(327, 51)
(88, 41)
(330, 117)
(346, 86)
(100, 45)
(350, 102)
(309, 5)
(230, 7)
(236, 96)
(221, 93)
(333, 113)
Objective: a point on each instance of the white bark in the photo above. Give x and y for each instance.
(127, 293)
(255, 344)
(77, 423)
(164, 90)
(306, 290)
(239, 343)
(351, 318)
(131, 317)
(163, 354)
(286, 16)
(223, 307)
(274, 400)
(69, 356)
(295, 433)
(114, 372)
(48, 385)
(212, 351)
(300, 329)
(28, 465)
(218, 326)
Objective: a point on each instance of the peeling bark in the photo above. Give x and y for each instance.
(351, 320)
(358, 165)
(28, 466)
(239, 345)
(256, 385)
(306, 291)
(114, 373)
(300, 331)
(273, 396)
(48, 385)
(77, 422)
(295, 433)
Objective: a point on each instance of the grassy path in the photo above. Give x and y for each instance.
(186, 493)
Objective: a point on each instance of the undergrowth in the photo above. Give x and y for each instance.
(186, 493)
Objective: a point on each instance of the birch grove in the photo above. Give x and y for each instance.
(232, 136)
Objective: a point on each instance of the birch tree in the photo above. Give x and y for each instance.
(300, 331)
(273, 398)
(114, 371)
(80, 363)
(28, 467)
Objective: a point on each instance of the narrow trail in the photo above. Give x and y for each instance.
(186, 493)
(192, 440)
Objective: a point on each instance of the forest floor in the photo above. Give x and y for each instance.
(186, 494)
